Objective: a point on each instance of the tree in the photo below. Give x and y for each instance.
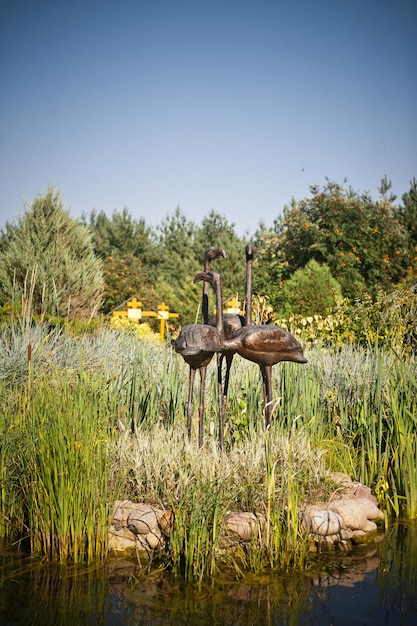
(407, 216)
(268, 267)
(177, 265)
(384, 188)
(121, 235)
(311, 290)
(129, 255)
(362, 241)
(125, 278)
(54, 254)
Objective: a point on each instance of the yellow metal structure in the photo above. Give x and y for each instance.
(134, 311)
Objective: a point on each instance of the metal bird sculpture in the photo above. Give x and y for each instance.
(213, 278)
(232, 323)
(265, 345)
(197, 344)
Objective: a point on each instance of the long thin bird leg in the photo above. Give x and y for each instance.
(190, 401)
(201, 408)
(266, 371)
(229, 359)
(220, 400)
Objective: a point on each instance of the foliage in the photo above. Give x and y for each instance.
(125, 278)
(268, 267)
(177, 265)
(121, 235)
(333, 330)
(311, 290)
(361, 241)
(159, 266)
(387, 321)
(51, 255)
(142, 330)
(61, 435)
(407, 216)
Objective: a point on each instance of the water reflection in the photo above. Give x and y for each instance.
(373, 585)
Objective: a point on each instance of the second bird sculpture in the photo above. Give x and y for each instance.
(197, 344)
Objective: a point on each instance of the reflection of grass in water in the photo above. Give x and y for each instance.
(42, 594)
(253, 600)
(39, 594)
(398, 570)
(67, 596)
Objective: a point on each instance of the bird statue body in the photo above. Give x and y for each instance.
(265, 345)
(197, 344)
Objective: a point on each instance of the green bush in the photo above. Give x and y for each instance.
(311, 290)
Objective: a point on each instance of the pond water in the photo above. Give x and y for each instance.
(372, 585)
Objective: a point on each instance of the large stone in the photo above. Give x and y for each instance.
(351, 511)
(244, 524)
(341, 479)
(151, 540)
(321, 522)
(138, 526)
(121, 539)
(143, 519)
(121, 511)
(371, 510)
(166, 521)
(361, 491)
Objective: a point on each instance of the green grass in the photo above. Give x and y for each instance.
(101, 416)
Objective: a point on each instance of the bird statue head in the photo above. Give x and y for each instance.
(250, 251)
(213, 252)
(211, 277)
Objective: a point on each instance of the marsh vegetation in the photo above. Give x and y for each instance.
(90, 417)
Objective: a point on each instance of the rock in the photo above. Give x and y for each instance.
(121, 511)
(341, 479)
(351, 511)
(346, 534)
(370, 527)
(350, 518)
(121, 539)
(143, 519)
(166, 521)
(371, 510)
(246, 525)
(138, 526)
(321, 522)
(361, 491)
(151, 540)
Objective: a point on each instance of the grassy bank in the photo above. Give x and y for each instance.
(89, 419)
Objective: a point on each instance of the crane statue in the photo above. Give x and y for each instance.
(262, 344)
(232, 323)
(197, 344)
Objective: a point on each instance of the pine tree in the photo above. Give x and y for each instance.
(52, 254)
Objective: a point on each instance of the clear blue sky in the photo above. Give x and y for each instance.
(231, 105)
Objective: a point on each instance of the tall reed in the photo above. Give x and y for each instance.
(63, 462)
(366, 414)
